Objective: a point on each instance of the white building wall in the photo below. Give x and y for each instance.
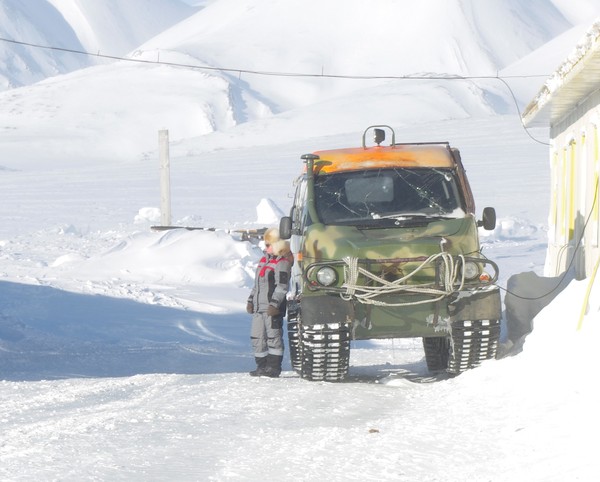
(573, 221)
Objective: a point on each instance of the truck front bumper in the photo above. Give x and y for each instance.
(409, 320)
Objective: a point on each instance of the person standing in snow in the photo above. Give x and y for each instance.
(267, 304)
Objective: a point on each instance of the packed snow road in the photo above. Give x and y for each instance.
(235, 427)
(222, 426)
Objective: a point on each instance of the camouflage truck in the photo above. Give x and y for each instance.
(386, 245)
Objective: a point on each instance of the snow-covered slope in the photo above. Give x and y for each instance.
(115, 27)
(353, 38)
(129, 103)
(109, 27)
(542, 62)
(357, 38)
(40, 23)
(578, 12)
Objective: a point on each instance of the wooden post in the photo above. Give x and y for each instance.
(165, 177)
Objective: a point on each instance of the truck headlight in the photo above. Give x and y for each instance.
(326, 276)
(471, 270)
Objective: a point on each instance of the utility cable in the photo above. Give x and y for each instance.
(322, 75)
(270, 73)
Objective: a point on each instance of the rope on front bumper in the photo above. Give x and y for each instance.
(367, 294)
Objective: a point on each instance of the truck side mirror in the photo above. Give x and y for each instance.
(488, 220)
(285, 227)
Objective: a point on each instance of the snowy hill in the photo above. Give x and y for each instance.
(579, 12)
(22, 65)
(474, 43)
(542, 60)
(109, 27)
(114, 27)
(126, 350)
(356, 39)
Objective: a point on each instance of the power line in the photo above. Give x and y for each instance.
(322, 75)
(272, 73)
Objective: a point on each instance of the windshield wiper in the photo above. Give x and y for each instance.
(406, 216)
(383, 223)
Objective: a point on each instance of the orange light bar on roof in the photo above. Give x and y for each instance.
(382, 157)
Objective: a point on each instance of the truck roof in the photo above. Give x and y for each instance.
(398, 155)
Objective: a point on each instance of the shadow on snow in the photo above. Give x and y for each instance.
(48, 333)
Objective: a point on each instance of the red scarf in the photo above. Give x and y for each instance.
(268, 265)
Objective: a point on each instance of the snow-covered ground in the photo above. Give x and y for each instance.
(124, 351)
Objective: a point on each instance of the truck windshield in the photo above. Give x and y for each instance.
(364, 196)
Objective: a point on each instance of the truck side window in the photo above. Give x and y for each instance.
(299, 211)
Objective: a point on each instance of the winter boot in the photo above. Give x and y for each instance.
(261, 365)
(273, 368)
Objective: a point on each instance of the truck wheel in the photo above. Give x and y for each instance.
(437, 352)
(325, 351)
(473, 342)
